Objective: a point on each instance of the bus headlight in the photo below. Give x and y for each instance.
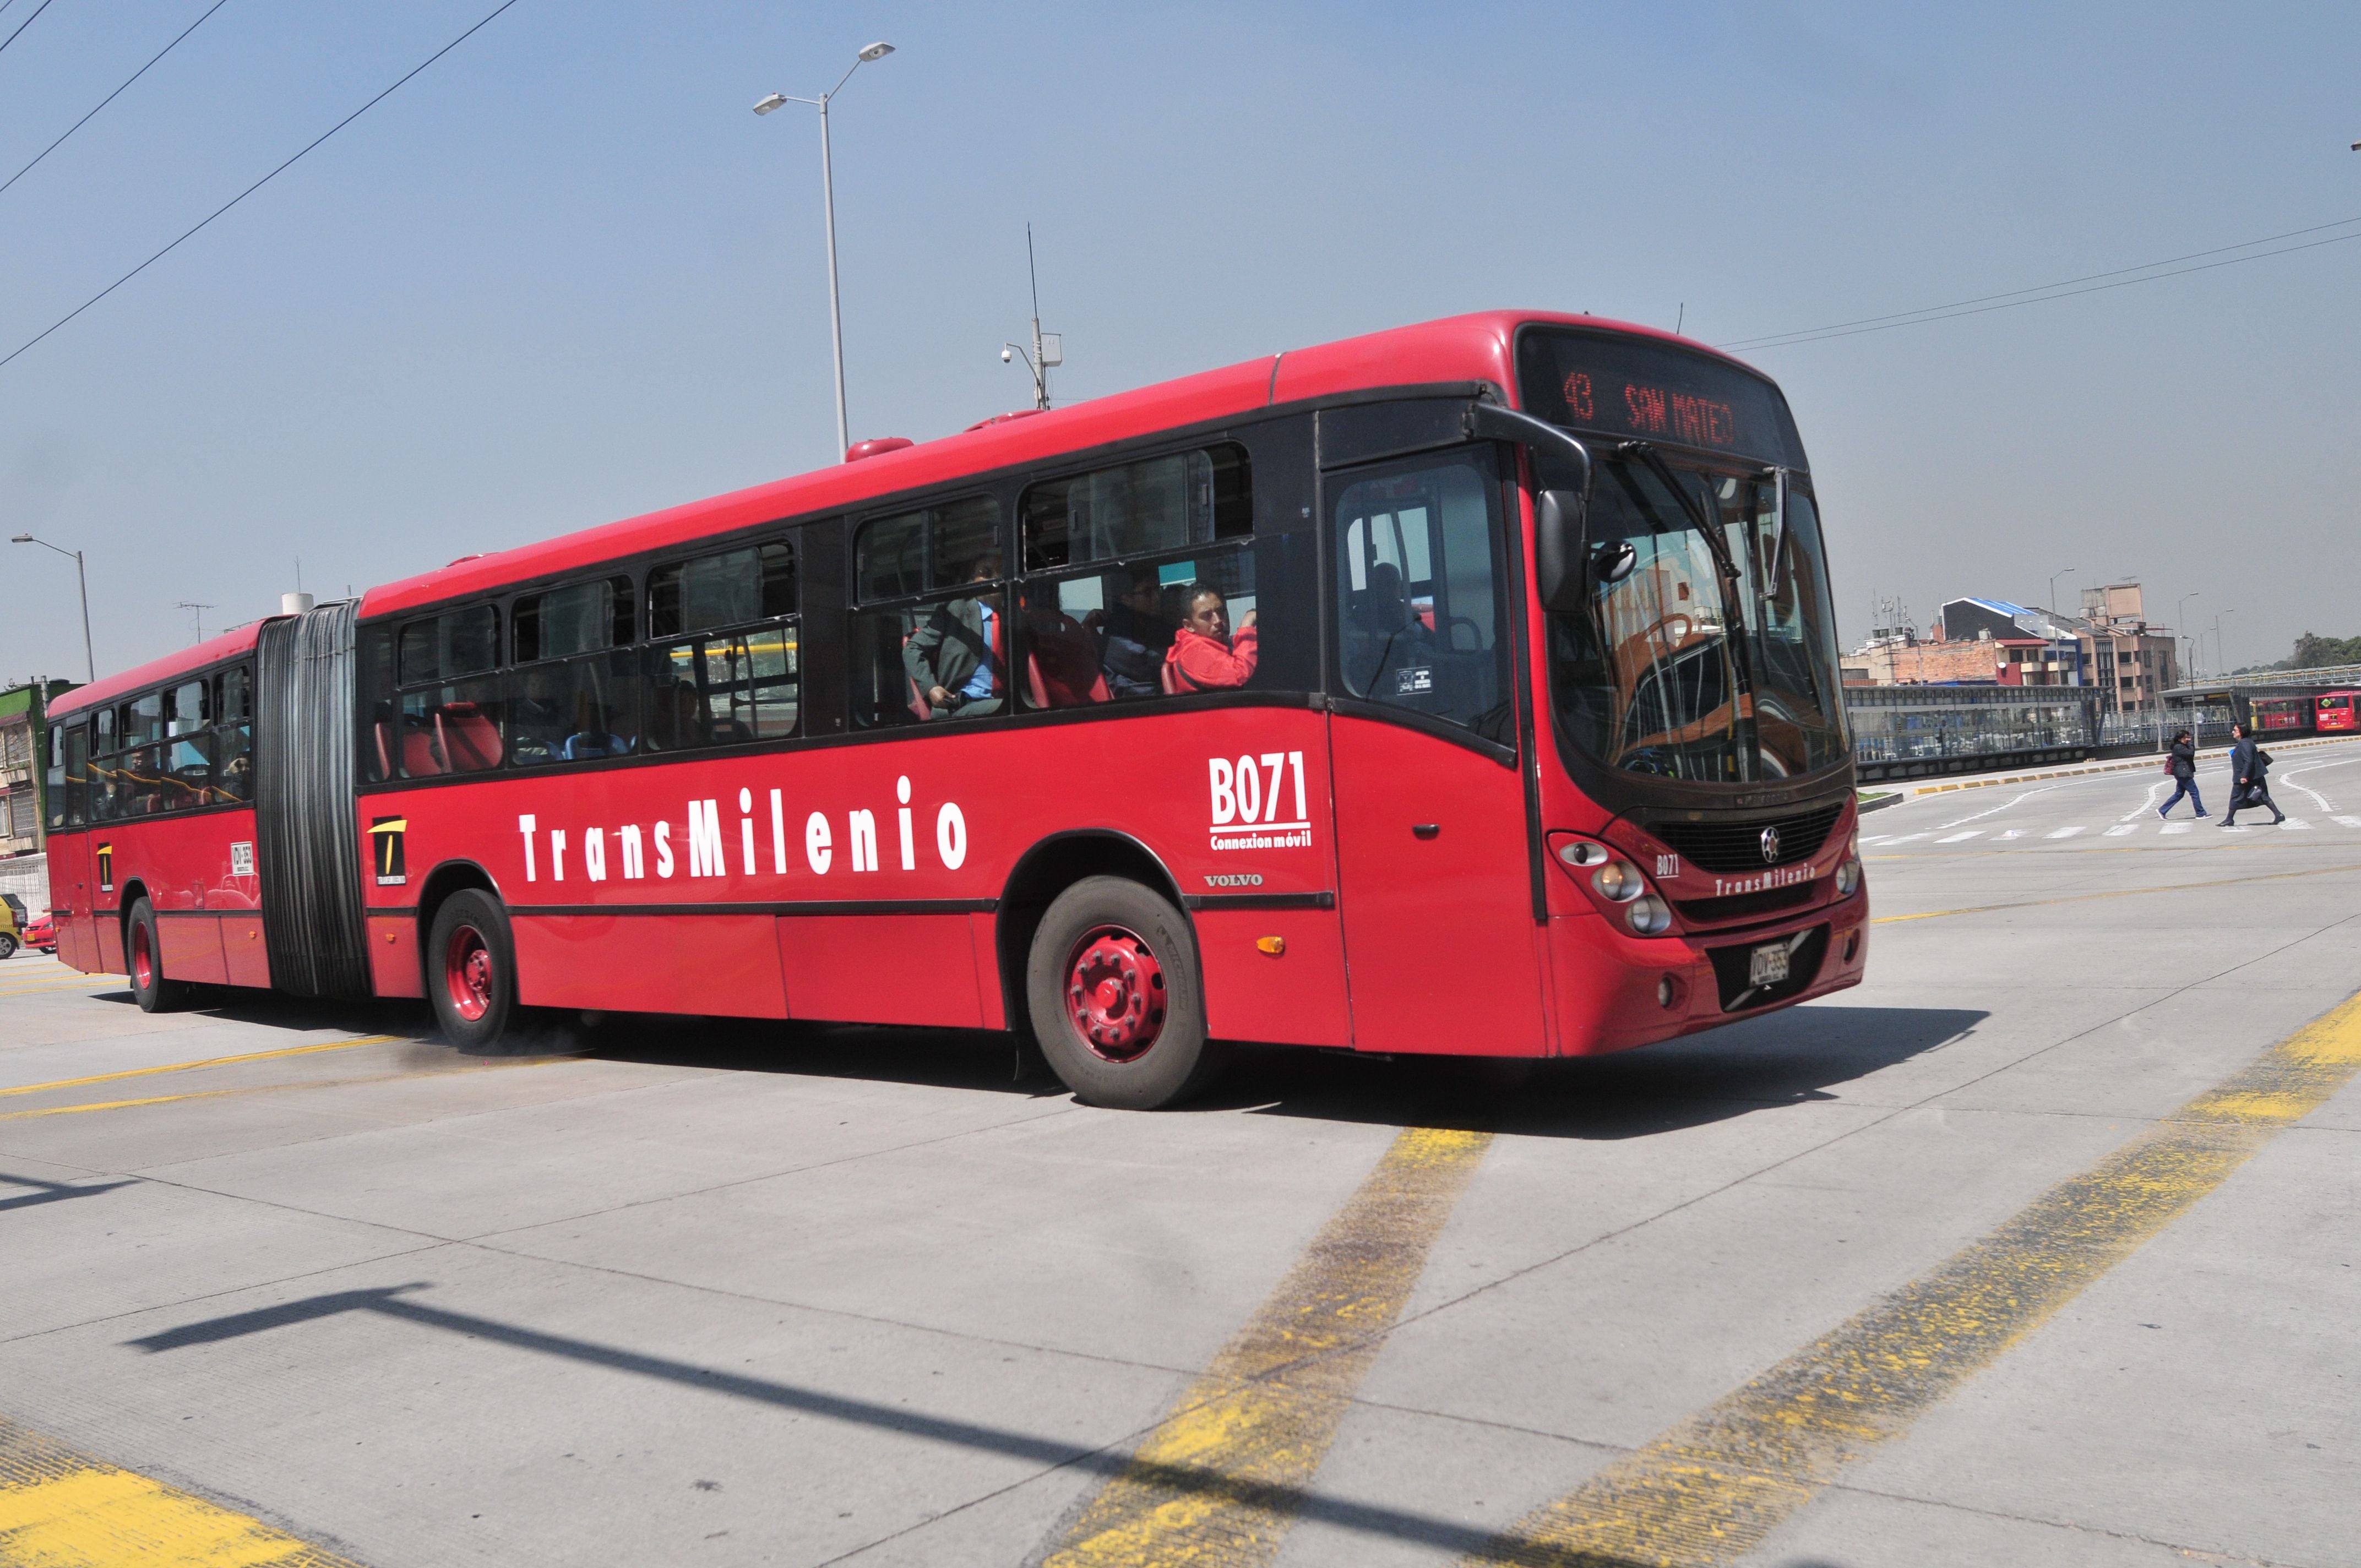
(1848, 877)
(1648, 916)
(1618, 881)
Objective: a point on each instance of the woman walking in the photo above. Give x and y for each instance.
(2182, 765)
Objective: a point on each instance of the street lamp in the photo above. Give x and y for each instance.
(2053, 583)
(90, 664)
(2220, 657)
(828, 202)
(2181, 618)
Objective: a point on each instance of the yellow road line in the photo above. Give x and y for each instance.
(1708, 1491)
(62, 1509)
(209, 1061)
(2112, 892)
(1215, 1482)
(267, 1089)
(85, 983)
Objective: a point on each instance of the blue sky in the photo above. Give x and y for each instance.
(566, 276)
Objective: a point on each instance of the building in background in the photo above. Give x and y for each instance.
(2131, 663)
(23, 797)
(2043, 648)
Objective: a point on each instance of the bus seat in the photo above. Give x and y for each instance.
(421, 756)
(384, 750)
(1062, 664)
(1170, 678)
(471, 741)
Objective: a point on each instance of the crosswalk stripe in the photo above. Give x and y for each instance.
(2350, 821)
(2121, 828)
(1960, 837)
(2296, 822)
(2180, 826)
(2064, 833)
(2014, 833)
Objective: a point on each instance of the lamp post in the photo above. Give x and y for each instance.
(89, 664)
(828, 202)
(2053, 583)
(2180, 619)
(2220, 657)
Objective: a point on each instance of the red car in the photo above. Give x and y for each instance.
(41, 932)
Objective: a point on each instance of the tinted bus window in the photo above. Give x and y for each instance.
(926, 550)
(142, 721)
(234, 735)
(456, 642)
(728, 590)
(1138, 509)
(580, 619)
(741, 679)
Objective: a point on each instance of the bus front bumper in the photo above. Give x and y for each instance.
(1616, 991)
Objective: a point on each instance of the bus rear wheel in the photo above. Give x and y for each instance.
(143, 955)
(1111, 985)
(471, 971)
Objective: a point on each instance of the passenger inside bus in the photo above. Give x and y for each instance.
(1135, 634)
(955, 659)
(675, 718)
(1205, 656)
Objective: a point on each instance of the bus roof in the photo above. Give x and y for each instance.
(1478, 347)
(157, 671)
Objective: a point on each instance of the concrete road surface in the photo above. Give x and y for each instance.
(2043, 1246)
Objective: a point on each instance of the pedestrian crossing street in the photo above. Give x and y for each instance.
(2262, 823)
(2320, 789)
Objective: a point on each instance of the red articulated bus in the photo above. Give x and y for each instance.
(2281, 715)
(2333, 711)
(1467, 688)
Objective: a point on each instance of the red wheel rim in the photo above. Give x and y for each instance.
(1114, 994)
(467, 973)
(143, 962)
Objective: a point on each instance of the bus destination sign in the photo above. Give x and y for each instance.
(1643, 391)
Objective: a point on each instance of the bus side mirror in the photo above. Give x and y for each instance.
(1558, 519)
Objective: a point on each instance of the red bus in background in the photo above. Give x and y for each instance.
(2333, 711)
(1466, 688)
(2281, 715)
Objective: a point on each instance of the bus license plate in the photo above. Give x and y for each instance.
(1767, 965)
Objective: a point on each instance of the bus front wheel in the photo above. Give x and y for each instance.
(471, 971)
(1110, 985)
(143, 955)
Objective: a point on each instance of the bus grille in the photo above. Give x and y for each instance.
(1737, 847)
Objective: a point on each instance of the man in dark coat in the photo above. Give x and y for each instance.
(954, 659)
(2246, 786)
(2182, 765)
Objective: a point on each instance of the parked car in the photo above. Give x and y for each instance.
(12, 921)
(41, 934)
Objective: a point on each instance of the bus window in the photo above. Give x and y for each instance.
(234, 734)
(728, 590)
(142, 721)
(452, 725)
(1138, 509)
(580, 619)
(724, 690)
(945, 660)
(1109, 636)
(569, 710)
(926, 550)
(444, 647)
(1420, 627)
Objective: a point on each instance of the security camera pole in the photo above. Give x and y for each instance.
(828, 199)
(1048, 347)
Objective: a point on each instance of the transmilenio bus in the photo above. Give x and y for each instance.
(1470, 688)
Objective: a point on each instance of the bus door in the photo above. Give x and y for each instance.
(1433, 875)
(71, 896)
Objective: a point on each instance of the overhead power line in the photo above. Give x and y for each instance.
(2063, 290)
(111, 97)
(258, 184)
(25, 23)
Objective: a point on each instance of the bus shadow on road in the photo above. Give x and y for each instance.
(1789, 1058)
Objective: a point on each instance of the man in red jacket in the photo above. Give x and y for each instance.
(1205, 656)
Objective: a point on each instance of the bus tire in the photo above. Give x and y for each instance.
(1111, 985)
(471, 970)
(143, 955)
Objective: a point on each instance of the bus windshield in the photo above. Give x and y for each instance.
(1679, 670)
